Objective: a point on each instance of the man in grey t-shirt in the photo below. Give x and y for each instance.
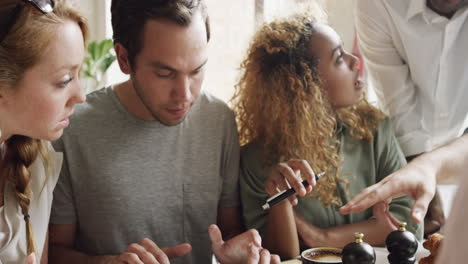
(152, 161)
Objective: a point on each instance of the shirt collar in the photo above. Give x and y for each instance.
(415, 7)
(419, 7)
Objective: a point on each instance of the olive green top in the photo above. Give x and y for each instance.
(364, 163)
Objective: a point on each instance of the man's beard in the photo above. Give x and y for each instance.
(140, 94)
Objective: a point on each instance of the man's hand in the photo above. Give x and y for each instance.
(385, 219)
(244, 248)
(417, 180)
(288, 174)
(261, 257)
(147, 252)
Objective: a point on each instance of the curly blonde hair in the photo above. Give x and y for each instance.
(281, 105)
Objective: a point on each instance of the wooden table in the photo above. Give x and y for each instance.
(380, 253)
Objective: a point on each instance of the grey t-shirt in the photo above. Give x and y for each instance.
(124, 179)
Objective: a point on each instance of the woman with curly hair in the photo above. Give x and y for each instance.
(41, 52)
(299, 101)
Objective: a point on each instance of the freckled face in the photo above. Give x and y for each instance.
(39, 107)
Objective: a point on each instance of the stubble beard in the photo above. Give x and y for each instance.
(140, 94)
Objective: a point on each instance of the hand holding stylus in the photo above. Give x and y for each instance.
(288, 175)
(285, 194)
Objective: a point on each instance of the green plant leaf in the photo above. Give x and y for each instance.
(105, 47)
(92, 50)
(88, 74)
(100, 57)
(106, 63)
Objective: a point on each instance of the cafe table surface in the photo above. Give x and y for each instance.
(381, 254)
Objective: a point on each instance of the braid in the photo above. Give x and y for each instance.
(21, 153)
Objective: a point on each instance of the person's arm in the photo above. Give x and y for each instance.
(229, 221)
(417, 179)
(387, 158)
(62, 239)
(280, 236)
(390, 75)
(276, 225)
(63, 230)
(375, 230)
(455, 230)
(449, 162)
(62, 227)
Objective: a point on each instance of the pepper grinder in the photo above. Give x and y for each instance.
(402, 246)
(358, 252)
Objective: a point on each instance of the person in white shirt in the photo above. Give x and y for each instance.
(418, 180)
(414, 54)
(39, 87)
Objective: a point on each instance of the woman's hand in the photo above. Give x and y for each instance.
(375, 229)
(288, 174)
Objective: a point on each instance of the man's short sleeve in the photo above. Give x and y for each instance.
(63, 205)
(230, 164)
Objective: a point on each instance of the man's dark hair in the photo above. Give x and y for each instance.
(130, 16)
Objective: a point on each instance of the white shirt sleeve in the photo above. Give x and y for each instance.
(391, 76)
(453, 246)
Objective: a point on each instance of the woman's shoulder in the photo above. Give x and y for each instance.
(384, 129)
(251, 151)
(252, 164)
(385, 124)
(252, 157)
